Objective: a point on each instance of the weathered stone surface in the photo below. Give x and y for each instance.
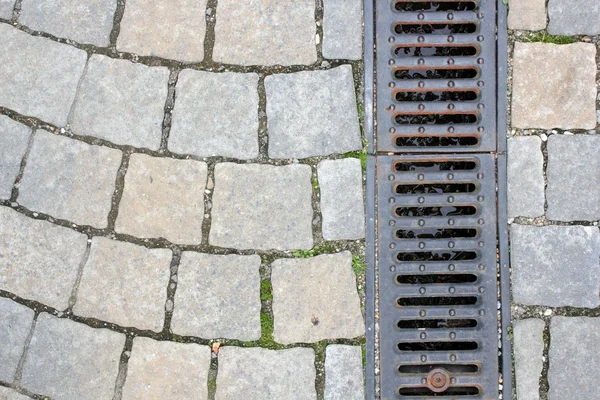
(555, 265)
(69, 179)
(262, 207)
(265, 32)
(218, 296)
(343, 373)
(125, 284)
(9, 394)
(71, 361)
(121, 102)
(342, 29)
(83, 21)
(6, 8)
(205, 127)
(574, 17)
(312, 113)
(554, 86)
(39, 260)
(525, 177)
(528, 349)
(256, 373)
(573, 172)
(163, 197)
(15, 323)
(166, 370)
(342, 205)
(14, 138)
(321, 289)
(574, 367)
(164, 28)
(527, 15)
(39, 76)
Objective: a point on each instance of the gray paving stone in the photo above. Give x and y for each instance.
(527, 15)
(40, 260)
(555, 265)
(342, 29)
(525, 177)
(15, 323)
(84, 21)
(6, 8)
(262, 207)
(315, 299)
(554, 86)
(218, 296)
(9, 394)
(342, 204)
(574, 17)
(121, 102)
(178, 36)
(574, 367)
(14, 138)
(205, 127)
(573, 172)
(71, 361)
(167, 370)
(69, 179)
(312, 113)
(163, 197)
(256, 373)
(528, 349)
(265, 32)
(343, 373)
(39, 76)
(125, 284)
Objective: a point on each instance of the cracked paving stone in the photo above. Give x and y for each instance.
(6, 8)
(167, 370)
(256, 373)
(69, 179)
(527, 15)
(315, 299)
(39, 260)
(574, 17)
(525, 177)
(122, 102)
(342, 29)
(528, 349)
(71, 361)
(218, 296)
(125, 284)
(39, 76)
(312, 113)
(9, 394)
(14, 138)
(15, 323)
(344, 373)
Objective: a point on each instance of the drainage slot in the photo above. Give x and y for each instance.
(454, 95)
(437, 301)
(437, 256)
(437, 323)
(437, 346)
(442, 29)
(435, 51)
(435, 278)
(416, 166)
(435, 188)
(444, 73)
(435, 119)
(434, 211)
(426, 368)
(434, 5)
(433, 233)
(451, 391)
(436, 141)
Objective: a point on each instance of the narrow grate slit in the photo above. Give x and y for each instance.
(435, 188)
(435, 211)
(437, 301)
(439, 73)
(437, 256)
(435, 278)
(438, 346)
(433, 233)
(437, 323)
(410, 166)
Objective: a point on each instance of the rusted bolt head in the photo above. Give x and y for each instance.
(438, 380)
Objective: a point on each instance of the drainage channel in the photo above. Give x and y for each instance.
(437, 285)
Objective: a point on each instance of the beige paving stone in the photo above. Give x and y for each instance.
(15, 324)
(14, 138)
(527, 14)
(9, 394)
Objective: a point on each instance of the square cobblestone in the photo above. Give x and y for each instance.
(39, 76)
(528, 350)
(555, 266)
(125, 284)
(6, 8)
(205, 127)
(163, 197)
(574, 17)
(321, 289)
(527, 15)
(342, 29)
(525, 177)
(71, 361)
(121, 102)
(9, 394)
(247, 197)
(15, 324)
(265, 32)
(218, 296)
(69, 179)
(312, 113)
(14, 138)
(344, 373)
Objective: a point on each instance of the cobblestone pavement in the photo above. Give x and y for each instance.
(181, 199)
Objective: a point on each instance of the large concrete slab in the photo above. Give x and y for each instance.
(525, 177)
(342, 29)
(344, 373)
(15, 324)
(14, 138)
(574, 17)
(529, 357)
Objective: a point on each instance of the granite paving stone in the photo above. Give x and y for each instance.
(525, 177)
(205, 127)
(344, 373)
(218, 296)
(83, 21)
(39, 260)
(9, 394)
(342, 29)
(528, 350)
(256, 373)
(312, 113)
(555, 266)
(315, 299)
(554, 86)
(15, 323)
(574, 17)
(527, 15)
(39, 76)
(6, 8)
(573, 173)
(172, 29)
(342, 204)
(122, 102)
(265, 32)
(125, 284)
(71, 361)
(14, 138)
(166, 370)
(69, 179)
(262, 207)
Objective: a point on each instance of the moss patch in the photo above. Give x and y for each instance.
(359, 266)
(543, 37)
(266, 292)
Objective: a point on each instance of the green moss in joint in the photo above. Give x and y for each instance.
(543, 37)
(266, 293)
(359, 266)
